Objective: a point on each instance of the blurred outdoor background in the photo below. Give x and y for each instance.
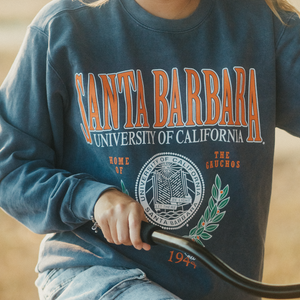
(19, 247)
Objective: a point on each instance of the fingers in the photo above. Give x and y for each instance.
(135, 236)
(135, 232)
(119, 218)
(113, 224)
(106, 231)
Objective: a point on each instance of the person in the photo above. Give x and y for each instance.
(122, 111)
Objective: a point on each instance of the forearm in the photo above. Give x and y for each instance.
(49, 200)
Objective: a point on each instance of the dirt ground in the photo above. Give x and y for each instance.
(19, 246)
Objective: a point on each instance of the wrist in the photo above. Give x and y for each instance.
(93, 216)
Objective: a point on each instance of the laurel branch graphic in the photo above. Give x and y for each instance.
(212, 215)
(124, 189)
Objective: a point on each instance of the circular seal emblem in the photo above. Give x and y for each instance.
(170, 187)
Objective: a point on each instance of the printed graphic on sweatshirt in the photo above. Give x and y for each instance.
(170, 188)
(119, 163)
(213, 213)
(187, 106)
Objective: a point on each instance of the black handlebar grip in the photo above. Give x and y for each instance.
(146, 232)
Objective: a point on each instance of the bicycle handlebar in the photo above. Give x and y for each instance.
(154, 235)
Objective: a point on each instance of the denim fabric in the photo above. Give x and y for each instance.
(99, 283)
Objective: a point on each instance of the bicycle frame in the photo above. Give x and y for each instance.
(156, 236)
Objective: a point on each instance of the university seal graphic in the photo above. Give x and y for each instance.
(170, 187)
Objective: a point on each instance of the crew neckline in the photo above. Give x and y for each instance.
(153, 22)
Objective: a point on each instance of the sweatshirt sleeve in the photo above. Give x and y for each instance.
(32, 187)
(288, 77)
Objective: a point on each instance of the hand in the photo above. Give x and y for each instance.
(119, 217)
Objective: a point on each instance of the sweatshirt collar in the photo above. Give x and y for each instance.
(150, 21)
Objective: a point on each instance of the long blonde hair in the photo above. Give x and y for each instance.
(273, 4)
(283, 5)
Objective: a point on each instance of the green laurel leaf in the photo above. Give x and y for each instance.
(207, 214)
(124, 190)
(218, 217)
(199, 242)
(211, 203)
(200, 221)
(218, 182)
(200, 230)
(214, 211)
(193, 231)
(212, 227)
(214, 192)
(225, 192)
(223, 203)
(205, 236)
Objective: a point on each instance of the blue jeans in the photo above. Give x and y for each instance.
(99, 283)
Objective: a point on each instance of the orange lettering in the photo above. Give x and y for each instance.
(240, 106)
(227, 100)
(141, 104)
(175, 111)
(80, 92)
(161, 87)
(126, 84)
(193, 98)
(253, 122)
(110, 100)
(212, 98)
(93, 105)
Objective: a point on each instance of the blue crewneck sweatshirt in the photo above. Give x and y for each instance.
(179, 114)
